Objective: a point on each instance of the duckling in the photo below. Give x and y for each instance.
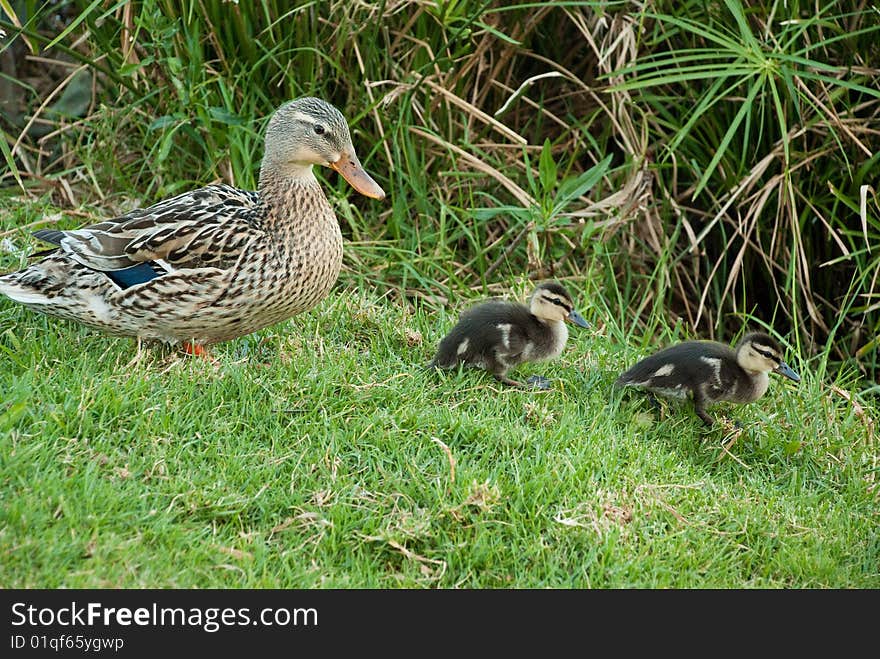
(711, 372)
(498, 335)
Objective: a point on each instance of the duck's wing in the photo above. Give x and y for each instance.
(208, 227)
(670, 368)
(500, 329)
(474, 337)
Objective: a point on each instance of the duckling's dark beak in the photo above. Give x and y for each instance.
(785, 369)
(351, 170)
(577, 319)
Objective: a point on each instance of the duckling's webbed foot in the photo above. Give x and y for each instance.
(509, 381)
(704, 416)
(731, 425)
(539, 382)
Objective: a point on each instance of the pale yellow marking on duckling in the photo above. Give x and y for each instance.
(505, 333)
(463, 346)
(666, 369)
(755, 362)
(714, 362)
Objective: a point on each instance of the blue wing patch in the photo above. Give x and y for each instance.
(136, 274)
(125, 278)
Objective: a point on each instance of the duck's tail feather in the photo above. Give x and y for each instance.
(23, 294)
(53, 236)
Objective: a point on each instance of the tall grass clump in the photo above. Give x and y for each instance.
(761, 118)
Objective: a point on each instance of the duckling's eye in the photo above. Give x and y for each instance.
(767, 355)
(319, 129)
(558, 302)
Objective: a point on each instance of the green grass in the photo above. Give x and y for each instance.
(319, 455)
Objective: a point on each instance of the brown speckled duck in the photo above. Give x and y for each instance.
(709, 372)
(216, 263)
(498, 335)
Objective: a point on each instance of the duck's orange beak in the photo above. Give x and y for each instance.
(351, 170)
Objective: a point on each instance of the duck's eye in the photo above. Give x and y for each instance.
(557, 302)
(319, 129)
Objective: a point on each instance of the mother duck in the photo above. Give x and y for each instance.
(213, 264)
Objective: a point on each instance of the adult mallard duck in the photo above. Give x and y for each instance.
(709, 372)
(212, 264)
(498, 335)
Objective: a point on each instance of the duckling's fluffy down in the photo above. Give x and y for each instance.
(691, 366)
(497, 335)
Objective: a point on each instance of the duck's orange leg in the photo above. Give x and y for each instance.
(196, 350)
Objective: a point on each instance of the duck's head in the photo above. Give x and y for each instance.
(759, 353)
(308, 131)
(550, 301)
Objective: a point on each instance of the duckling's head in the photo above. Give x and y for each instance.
(759, 353)
(308, 131)
(551, 302)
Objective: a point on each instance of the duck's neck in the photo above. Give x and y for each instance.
(273, 171)
(292, 197)
(558, 338)
(757, 386)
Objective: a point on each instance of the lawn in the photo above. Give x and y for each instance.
(318, 454)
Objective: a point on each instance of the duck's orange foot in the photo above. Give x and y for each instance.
(196, 350)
